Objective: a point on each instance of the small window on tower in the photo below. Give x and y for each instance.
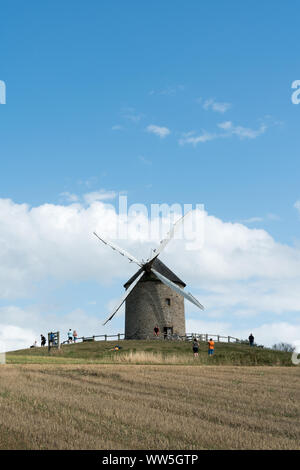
(168, 301)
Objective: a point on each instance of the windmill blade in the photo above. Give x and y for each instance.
(119, 250)
(169, 236)
(123, 298)
(177, 289)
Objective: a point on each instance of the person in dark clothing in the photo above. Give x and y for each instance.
(43, 340)
(251, 339)
(51, 339)
(195, 347)
(156, 330)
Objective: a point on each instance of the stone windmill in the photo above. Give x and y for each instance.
(154, 295)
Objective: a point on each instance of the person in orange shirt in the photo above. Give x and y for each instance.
(211, 347)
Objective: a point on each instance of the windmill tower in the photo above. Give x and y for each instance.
(154, 303)
(154, 295)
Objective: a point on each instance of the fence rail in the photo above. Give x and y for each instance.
(84, 339)
(187, 337)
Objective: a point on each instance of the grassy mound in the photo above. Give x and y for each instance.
(150, 352)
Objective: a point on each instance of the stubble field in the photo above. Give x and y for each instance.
(149, 407)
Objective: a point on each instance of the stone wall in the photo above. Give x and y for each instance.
(147, 306)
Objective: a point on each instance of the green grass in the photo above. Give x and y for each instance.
(158, 351)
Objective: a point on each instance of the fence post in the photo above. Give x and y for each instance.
(118, 336)
(105, 336)
(218, 338)
(228, 339)
(206, 337)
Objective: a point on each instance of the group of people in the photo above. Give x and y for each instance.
(72, 337)
(43, 342)
(211, 343)
(211, 347)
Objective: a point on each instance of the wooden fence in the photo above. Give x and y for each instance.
(187, 337)
(206, 337)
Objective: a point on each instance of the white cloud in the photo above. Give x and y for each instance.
(274, 217)
(240, 131)
(130, 114)
(13, 337)
(297, 206)
(157, 130)
(89, 198)
(252, 220)
(57, 240)
(229, 131)
(190, 138)
(21, 327)
(100, 195)
(239, 272)
(226, 125)
(216, 106)
(269, 216)
(70, 197)
(267, 334)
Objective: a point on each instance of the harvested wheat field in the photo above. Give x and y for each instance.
(149, 407)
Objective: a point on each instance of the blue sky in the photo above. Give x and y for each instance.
(84, 82)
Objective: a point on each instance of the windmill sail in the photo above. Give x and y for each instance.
(178, 289)
(169, 236)
(123, 298)
(119, 250)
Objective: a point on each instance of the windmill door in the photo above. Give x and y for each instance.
(168, 331)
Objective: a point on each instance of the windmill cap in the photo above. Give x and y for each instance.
(162, 269)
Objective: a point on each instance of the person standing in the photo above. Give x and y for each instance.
(51, 339)
(195, 347)
(43, 340)
(70, 336)
(211, 347)
(156, 330)
(75, 336)
(251, 339)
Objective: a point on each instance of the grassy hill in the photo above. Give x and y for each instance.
(150, 352)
